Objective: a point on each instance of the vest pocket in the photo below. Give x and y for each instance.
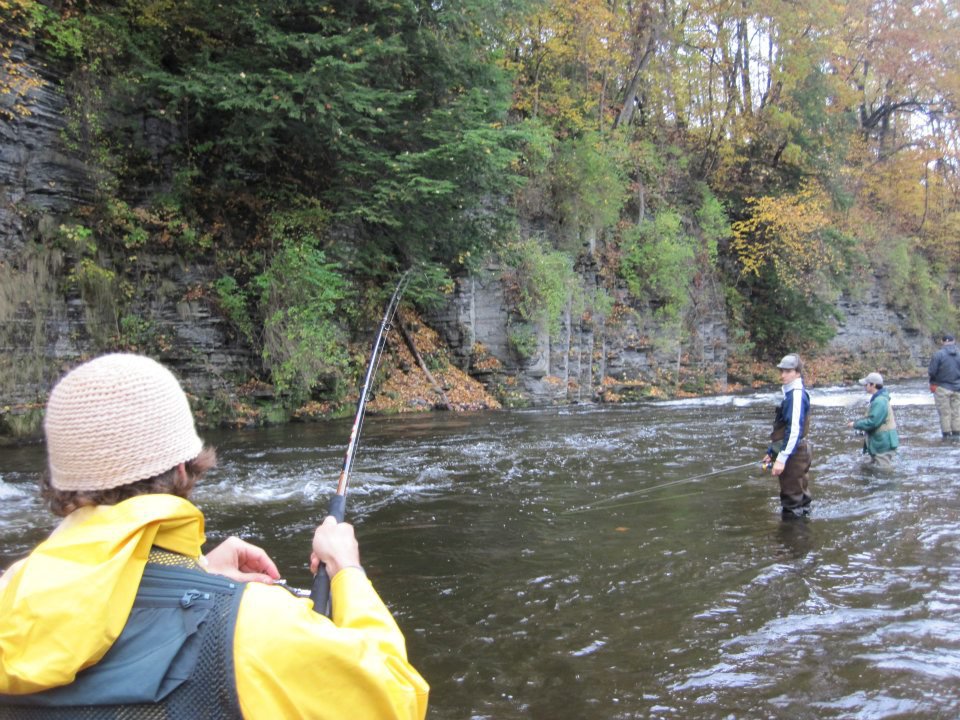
(157, 651)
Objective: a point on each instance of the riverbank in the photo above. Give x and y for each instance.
(418, 376)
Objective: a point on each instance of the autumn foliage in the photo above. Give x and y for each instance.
(787, 233)
(782, 153)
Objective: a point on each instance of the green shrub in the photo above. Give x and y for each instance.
(303, 346)
(523, 339)
(912, 285)
(589, 185)
(543, 283)
(657, 262)
(233, 302)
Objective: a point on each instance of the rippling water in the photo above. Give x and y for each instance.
(605, 562)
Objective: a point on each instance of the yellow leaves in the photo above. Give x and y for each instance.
(787, 233)
(566, 53)
(899, 188)
(16, 77)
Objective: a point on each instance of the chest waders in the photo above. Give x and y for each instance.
(794, 481)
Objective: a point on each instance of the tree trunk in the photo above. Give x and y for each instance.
(644, 50)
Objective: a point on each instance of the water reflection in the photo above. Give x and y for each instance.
(681, 595)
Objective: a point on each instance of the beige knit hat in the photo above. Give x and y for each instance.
(115, 420)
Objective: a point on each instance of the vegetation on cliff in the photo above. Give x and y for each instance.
(307, 149)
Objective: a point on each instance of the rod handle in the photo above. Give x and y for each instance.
(320, 593)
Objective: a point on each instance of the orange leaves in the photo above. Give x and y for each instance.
(405, 388)
(786, 232)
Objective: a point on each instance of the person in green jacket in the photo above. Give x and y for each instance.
(879, 425)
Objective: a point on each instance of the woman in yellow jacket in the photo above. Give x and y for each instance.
(119, 611)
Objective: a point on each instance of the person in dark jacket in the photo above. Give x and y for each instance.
(879, 425)
(944, 374)
(789, 451)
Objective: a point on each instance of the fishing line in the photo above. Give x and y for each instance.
(650, 500)
(603, 504)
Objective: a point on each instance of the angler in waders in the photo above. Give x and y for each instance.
(879, 425)
(118, 614)
(789, 451)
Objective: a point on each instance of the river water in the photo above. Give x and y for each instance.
(607, 562)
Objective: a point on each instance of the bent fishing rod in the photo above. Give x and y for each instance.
(320, 594)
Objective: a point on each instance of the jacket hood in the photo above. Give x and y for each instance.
(63, 607)
(951, 349)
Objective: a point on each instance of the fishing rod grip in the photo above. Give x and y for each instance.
(320, 593)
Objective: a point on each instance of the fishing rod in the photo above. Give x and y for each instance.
(320, 594)
(602, 504)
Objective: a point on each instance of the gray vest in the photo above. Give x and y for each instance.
(173, 660)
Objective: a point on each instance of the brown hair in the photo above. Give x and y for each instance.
(64, 502)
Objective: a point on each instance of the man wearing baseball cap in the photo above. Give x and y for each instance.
(944, 374)
(789, 451)
(118, 614)
(879, 425)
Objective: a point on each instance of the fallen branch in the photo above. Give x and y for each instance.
(444, 404)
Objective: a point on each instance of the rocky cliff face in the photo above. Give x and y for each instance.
(45, 324)
(872, 329)
(591, 358)
(39, 178)
(46, 327)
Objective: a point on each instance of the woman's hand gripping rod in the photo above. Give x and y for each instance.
(320, 594)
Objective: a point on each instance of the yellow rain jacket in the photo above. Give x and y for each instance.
(63, 607)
